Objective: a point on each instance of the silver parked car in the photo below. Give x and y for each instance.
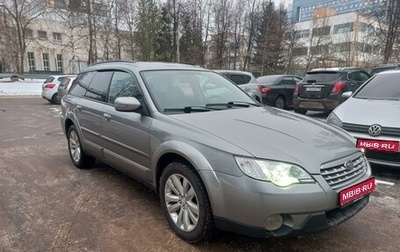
(245, 80)
(50, 88)
(216, 161)
(372, 116)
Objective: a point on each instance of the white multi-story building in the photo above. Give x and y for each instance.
(58, 40)
(329, 40)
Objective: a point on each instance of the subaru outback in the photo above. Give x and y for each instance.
(217, 162)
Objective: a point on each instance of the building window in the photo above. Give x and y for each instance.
(28, 33)
(343, 28)
(42, 35)
(31, 61)
(321, 31)
(57, 37)
(46, 65)
(59, 63)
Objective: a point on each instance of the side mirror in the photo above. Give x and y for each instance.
(347, 94)
(127, 104)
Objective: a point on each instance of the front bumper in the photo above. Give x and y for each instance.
(310, 223)
(380, 157)
(242, 205)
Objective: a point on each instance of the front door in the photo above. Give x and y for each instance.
(126, 134)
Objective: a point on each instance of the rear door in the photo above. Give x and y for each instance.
(318, 84)
(89, 108)
(289, 84)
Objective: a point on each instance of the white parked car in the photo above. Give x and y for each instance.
(372, 115)
(50, 87)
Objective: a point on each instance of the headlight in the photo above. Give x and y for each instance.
(279, 173)
(334, 119)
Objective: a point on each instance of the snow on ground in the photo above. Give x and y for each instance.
(23, 87)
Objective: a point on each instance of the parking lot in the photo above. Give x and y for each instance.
(46, 204)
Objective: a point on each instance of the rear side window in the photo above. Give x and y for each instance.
(81, 84)
(322, 77)
(288, 80)
(239, 78)
(358, 76)
(61, 78)
(98, 87)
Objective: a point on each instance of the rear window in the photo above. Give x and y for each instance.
(381, 87)
(268, 79)
(239, 79)
(322, 77)
(48, 80)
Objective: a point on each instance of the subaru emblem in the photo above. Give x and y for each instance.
(349, 165)
(375, 130)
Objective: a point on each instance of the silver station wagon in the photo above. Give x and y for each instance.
(217, 158)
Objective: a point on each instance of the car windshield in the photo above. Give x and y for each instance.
(270, 79)
(189, 91)
(381, 87)
(321, 76)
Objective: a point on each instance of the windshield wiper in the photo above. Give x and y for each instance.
(234, 104)
(188, 109)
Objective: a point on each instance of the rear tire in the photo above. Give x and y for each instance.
(78, 156)
(300, 111)
(54, 99)
(185, 203)
(280, 102)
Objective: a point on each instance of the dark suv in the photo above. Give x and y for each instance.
(322, 89)
(379, 69)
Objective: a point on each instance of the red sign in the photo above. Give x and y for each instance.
(379, 145)
(357, 191)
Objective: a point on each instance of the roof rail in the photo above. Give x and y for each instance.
(110, 61)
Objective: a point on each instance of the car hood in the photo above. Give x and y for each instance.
(368, 112)
(269, 133)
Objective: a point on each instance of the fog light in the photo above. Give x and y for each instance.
(273, 222)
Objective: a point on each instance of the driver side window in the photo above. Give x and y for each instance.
(123, 85)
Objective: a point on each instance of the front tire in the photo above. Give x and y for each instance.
(78, 156)
(185, 203)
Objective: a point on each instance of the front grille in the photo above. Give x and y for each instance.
(384, 156)
(388, 131)
(339, 176)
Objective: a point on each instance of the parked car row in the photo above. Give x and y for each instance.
(371, 114)
(205, 143)
(208, 148)
(55, 86)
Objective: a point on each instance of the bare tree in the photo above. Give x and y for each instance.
(128, 12)
(384, 18)
(318, 40)
(22, 13)
(251, 21)
(222, 14)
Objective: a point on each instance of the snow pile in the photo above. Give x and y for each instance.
(26, 87)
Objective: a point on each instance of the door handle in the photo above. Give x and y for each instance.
(107, 117)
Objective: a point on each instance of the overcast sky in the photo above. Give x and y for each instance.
(286, 2)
